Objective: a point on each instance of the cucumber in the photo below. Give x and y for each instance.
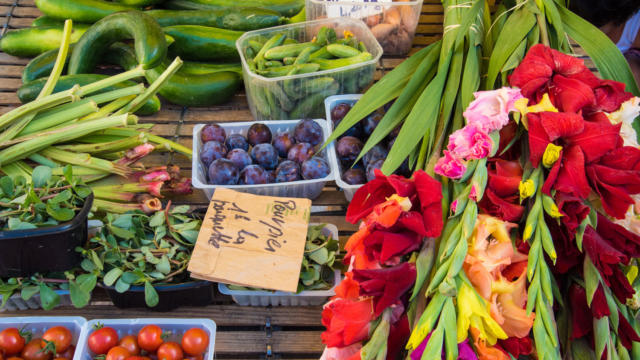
(88, 11)
(30, 42)
(198, 68)
(149, 41)
(139, 3)
(342, 51)
(41, 65)
(186, 87)
(28, 92)
(232, 19)
(338, 63)
(50, 21)
(288, 50)
(286, 8)
(203, 43)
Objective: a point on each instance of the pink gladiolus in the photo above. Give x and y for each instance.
(490, 110)
(470, 142)
(450, 166)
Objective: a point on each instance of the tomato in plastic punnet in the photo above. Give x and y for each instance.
(60, 336)
(195, 341)
(117, 353)
(34, 351)
(150, 338)
(130, 343)
(170, 351)
(11, 341)
(103, 339)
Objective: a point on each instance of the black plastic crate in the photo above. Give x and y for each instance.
(25, 252)
(171, 296)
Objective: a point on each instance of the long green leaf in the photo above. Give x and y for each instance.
(608, 59)
(385, 90)
(515, 29)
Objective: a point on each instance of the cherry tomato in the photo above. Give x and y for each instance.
(170, 351)
(130, 343)
(11, 341)
(195, 341)
(60, 336)
(138, 358)
(68, 354)
(103, 339)
(150, 338)
(117, 353)
(34, 351)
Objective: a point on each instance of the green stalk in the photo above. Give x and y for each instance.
(39, 105)
(85, 160)
(16, 169)
(107, 147)
(109, 108)
(113, 207)
(168, 144)
(107, 194)
(110, 81)
(46, 139)
(79, 171)
(82, 108)
(37, 158)
(139, 101)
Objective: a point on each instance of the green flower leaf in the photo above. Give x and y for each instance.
(150, 295)
(163, 265)
(81, 288)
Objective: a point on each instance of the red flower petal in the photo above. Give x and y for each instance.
(571, 95)
(348, 288)
(504, 177)
(398, 336)
(517, 346)
(561, 125)
(538, 138)
(413, 221)
(347, 321)
(366, 197)
(615, 200)
(581, 318)
(386, 285)
(494, 205)
(599, 306)
(573, 209)
(534, 71)
(571, 178)
(622, 239)
(597, 139)
(609, 95)
(626, 332)
(384, 246)
(430, 195)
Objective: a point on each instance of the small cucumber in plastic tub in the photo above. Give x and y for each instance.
(342, 51)
(327, 64)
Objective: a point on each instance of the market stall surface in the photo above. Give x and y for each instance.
(243, 332)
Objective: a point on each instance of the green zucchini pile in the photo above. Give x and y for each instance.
(150, 33)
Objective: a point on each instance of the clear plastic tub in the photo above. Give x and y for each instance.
(281, 298)
(267, 97)
(329, 104)
(16, 302)
(37, 325)
(393, 23)
(309, 189)
(176, 327)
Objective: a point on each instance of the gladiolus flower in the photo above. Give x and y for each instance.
(450, 166)
(490, 109)
(544, 105)
(626, 115)
(551, 155)
(351, 352)
(473, 311)
(517, 346)
(501, 194)
(386, 285)
(465, 352)
(470, 143)
(484, 351)
(347, 321)
(526, 188)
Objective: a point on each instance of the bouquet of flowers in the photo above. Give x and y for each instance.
(538, 257)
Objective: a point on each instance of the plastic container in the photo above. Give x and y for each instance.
(16, 302)
(25, 252)
(171, 296)
(281, 298)
(37, 325)
(264, 93)
(393, 23)
(175, 326)
(329, 104)
(309, 189)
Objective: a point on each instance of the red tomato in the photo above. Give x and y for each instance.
(60, 336)
(34, 351)
(195, 341)
(11, 341)
(138, 358)
(68, 354)
(150, 338)
(130, 343)
(117, 353)
(170, 351)
(103, 339)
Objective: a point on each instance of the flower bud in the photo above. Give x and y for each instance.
(551, 155)
(527, 189)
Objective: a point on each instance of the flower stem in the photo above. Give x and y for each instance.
(110, 81)
(85, 160)
(38, 105)
(48, 87)
(82, 108)
(107, 147)
(109, 108)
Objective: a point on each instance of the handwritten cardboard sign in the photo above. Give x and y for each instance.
(354, 10)
(251, 240)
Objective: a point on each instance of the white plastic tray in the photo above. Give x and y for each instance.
(309, 189)
(329, 104)
(176, 327)
(16, 302)
(37, 325)
(281, 298)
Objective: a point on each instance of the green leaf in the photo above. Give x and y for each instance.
(130, 277)
(424, 264)
(7, 186)
(591, 278)
(608, 59)
(163, 265)
(514, 31)
(111, 277)
(122, 286)
(28, 292)
(59, 213)
(83, 191)
(450, 331)
(16, 224)
(121, 233)
(181, 209)
(48, 298)
(150, 295)
(190, 235)
(41, 175)
(157, 219)
(320, 256)
(67, 172)
(80, 289)
(601, 334)
(124, 221)
(61, 197)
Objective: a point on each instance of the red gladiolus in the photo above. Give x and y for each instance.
(386, 285)
(573, 211)
(626, 332)
(398, 336)
(609, 96)
(502, 197)
(534, 76)
(388, 247)
(571, 95)
(347, 321)
(348, 288)
(581, 319)
(517, 346)
(377, 191)
(568, 254)
(614, 177)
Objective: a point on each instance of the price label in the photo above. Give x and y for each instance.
(356, 9)
(251, 240)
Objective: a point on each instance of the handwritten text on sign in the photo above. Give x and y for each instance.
(252, 240)
(354, 9)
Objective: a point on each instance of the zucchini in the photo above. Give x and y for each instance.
(286, 8)
(149, 41)
(232, 19)
(191, 85)
(41, 65)
(203, 43)
(29, 91)
(45, 20)
(88, 11)
(139, 3)
(29, 42)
